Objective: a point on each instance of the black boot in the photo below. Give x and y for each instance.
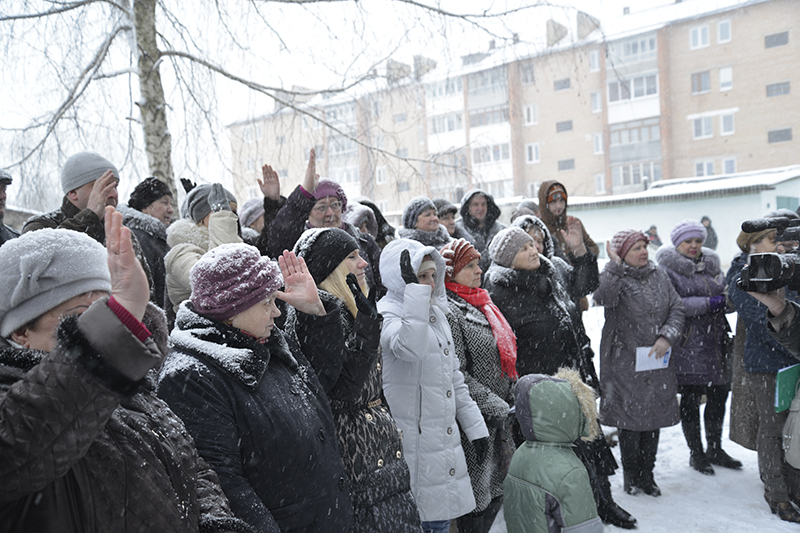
(785, 511)
(629, 455)
(608, 511)
(697, 458)
(649, 447)
(714, 417)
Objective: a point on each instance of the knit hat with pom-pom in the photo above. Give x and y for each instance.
(232, 278)
(457, 254)
(506, 244)
(623, 241)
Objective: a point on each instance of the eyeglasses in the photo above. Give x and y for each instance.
(323, 208)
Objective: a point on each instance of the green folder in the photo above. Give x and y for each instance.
(786, 387)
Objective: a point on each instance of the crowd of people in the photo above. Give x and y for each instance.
(297, 364)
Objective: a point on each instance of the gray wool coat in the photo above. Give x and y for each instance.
(640, 305)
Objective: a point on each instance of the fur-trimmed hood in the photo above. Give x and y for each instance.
(492, 209)
(185, 231)
(526, 221)
(392, 278)
(135, 219)
(668, 256)
(437, 238)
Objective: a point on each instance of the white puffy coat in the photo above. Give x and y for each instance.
(424, 386)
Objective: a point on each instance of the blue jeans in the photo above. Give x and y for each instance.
(436, 526)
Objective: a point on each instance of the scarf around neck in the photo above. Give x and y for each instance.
(501, 330)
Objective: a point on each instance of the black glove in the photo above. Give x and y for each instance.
(406, 270)
(217, 199)
(481, 448)
(188, 185)
(497, 422)
(364, 304)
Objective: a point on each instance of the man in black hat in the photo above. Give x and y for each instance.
(6, 233)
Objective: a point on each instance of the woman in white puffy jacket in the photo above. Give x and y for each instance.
(423, 384)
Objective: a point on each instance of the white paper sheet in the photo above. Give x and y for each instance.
(653, 362)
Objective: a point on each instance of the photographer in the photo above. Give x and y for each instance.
(763, 357)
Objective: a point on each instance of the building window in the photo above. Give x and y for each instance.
(376, 108)
(445, 123)
(446, 87)
(566, 164)
(726, 124)
(597, 102)
(403, 186)
(488, 81)
(724, 32)
(248, 133)
(283, 173)
(402, 152)
(562, 85)
(319, 151)
(726, 78)
(704, 168)
(637, 131)
(280, 141)
(778, 89)
(641, 85)
(636, 173)
(399, 118)
(380, 175)
(532, 153)
(258, 130)
(598, 143)
(594, 61)
(729, 165)
(420, 134)
(778, 136)
(531, 114)
(776, 39)
(310, 123)
(563, 126)
(701, 82)
(699, 37)
(526, 75)
(250, 166)
(600, 183)
(702, 128)
(491, 153)
(485, 117)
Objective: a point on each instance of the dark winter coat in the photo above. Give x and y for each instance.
(7, 233)
(271, 208)
(762, 353)
(369, 441)
(461, 233)
(699, 355)
(261, 419)
(69, 217)
(437, 238)
(789, 336)
(85, 446)
(711, 237)
(152, 236)
(557, 223)
(542, 315)
(481, 236)
(492, 390)
(291, 222)
(640, 305)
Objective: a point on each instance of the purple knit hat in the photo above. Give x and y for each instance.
(687, 229)
(623, 241)
(327, 188)
(232, 278)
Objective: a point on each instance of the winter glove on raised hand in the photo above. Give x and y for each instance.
(481, 448)
(364, 304)
(716, 303)
(188, 184)
(406, 270)
(217, 199)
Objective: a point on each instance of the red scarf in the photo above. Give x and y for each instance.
(502, 332)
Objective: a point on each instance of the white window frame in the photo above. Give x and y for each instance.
(597, 101)
(400, 118)
(707, 128)
(258, 130)
(726, 77)
(720, 25)
(383, 205)
(532, 153)
(531, 114)
(705, 168)
(597, 141)
(380, 175)
(562, 80)
(594, 61)
(696, 40)
(599, 183)
(247, 133)
(722, 129)
(725, 162)
(250, 165)
(699, 89)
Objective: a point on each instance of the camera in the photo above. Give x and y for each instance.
(771, 271)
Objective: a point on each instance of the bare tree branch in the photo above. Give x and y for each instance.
(69, 6)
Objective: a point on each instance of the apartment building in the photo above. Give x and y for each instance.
(688, 89)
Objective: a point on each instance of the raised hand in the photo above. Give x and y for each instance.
(573, 237)
(271, 184)
(104, 187)
(612, 254)
(311, 180)
(406, 270)
(365, 305)
(217, 199)
(300, 291)
(128, 280)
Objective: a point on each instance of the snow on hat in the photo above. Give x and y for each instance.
(232, 278)
(323, 249)
(444, 207)
(197, 201)
(148, 191)
(83, 168)
(506, 244)
(556, 192)
(623, 241)
(457, 254)
(5, 178)
(687, 229)
(358, 213)
(327, 188)
(43, 269)
(414, 209)
(251, 210)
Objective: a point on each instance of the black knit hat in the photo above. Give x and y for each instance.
(147, 192)
(323, 249)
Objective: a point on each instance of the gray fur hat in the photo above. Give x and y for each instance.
(43, 269)
(414, 208)
(83, 168)
(251, 210)
(506, 244)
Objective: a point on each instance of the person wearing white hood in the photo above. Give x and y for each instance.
(423, 384)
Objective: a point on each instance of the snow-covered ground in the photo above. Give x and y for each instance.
(730, 501)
